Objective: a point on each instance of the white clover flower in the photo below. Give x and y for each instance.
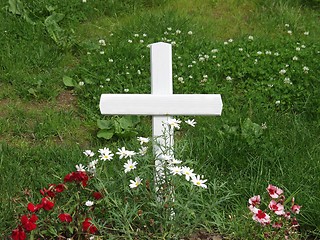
(289, 32)
(143, 140)
(305, 69)
(192, 122)
(139, 72)
(201, 59)
(214, 50)
(287, 25)
(105, 154)
(80, 168)
(136, 35)
(144, 35)
(250, 37)
(295, 58)
(169, 28)
(196, 180)
(129, 165)
(190, 32)
(84, 1)
(101, 52)
(88, 53)
(206, 56)
(129, 41)
(276, 54)
(259, 52)
(287, 81)
(194, 62)
(190, 66)
(306, 33)
(205, 76)
(225, 43)
(268, 52)
(81, 83)
(102, 42)
(174, 123)
(143, 150)
(111, 34)
(88, 153)
(178, 31)
(240, 49)
(188, 172)
(230, 40)
(89, 203)
(123, 153)
(107, 79)
(282, 71)
(277, 102)
(126, 90)
(135, 183)
(298, 48)
(264, 125)
(175, 170)
(228, 78)
(180, 79)
(190, 77)
(110, 60)
(303, 46)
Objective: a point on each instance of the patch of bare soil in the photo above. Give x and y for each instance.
(66, 99)
(204, 235)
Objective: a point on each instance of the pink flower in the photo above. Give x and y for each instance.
(277, 225)
(261, 217)
(276, 207)
(253, 209)
(287, 215)
(255, 200)
(295, 209)
(274, 191)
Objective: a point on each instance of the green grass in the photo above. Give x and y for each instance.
(45, 126)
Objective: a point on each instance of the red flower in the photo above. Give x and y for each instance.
(60, 188)
(29, 223)
(97, 195)
(79, 176)
(65, 217)
(33, 208)
(18, 234)
(47, 204)
(69, 177)
(88, 226)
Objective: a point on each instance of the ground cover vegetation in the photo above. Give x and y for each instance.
(57, 58)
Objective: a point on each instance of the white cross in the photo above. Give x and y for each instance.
(161, 104)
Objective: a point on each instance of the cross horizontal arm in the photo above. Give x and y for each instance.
(161, 105)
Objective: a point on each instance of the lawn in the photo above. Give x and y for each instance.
(58, 57)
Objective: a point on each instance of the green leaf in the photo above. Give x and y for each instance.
(105, 133)
(32, 91)
(15, 7)
(125, 123)
(68, 81)
(105, 124)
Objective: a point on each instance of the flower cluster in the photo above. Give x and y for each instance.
(275, 215)
(28, 222)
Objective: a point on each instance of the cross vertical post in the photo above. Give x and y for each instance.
(161, 84)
